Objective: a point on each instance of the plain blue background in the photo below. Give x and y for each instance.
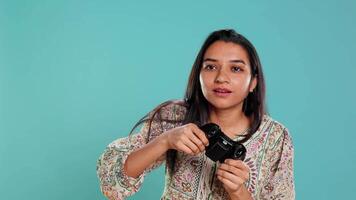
(75, 75)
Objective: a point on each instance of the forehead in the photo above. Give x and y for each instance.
(225, 51)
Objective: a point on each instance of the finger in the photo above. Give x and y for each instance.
(231, 177)
(233, 170)
(191, 145)
(227, 183)
(196, 141)
(237, 171)
(238, 164)
(182, 147)
(200, 134)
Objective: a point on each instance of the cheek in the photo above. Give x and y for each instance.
(241, 82)
(204, 81)
(201, 79)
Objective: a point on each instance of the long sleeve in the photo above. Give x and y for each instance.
(114, 183)
(278, 181)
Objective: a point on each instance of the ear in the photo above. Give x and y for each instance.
(253, 84)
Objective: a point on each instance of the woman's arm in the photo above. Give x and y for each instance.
(187, 138)
(241, 194)
(124, 163)
(114, 183)
(140, 159)
(278, 181)
(233, 174)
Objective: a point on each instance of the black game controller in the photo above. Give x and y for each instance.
(221, 146)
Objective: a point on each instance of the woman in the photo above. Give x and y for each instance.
(226, 87)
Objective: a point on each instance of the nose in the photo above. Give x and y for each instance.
(221, 77)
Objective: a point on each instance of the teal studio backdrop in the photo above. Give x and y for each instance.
(76, 75)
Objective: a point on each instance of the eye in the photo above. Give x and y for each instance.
(209, 67)
(236, 69)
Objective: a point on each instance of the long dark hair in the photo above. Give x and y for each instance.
(196, 104)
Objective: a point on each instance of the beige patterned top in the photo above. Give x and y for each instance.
(269, 157)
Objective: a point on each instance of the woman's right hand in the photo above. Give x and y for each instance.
(187, 138)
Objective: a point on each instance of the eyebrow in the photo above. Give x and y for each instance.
(232, 61)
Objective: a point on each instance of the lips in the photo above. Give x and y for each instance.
(222, 90)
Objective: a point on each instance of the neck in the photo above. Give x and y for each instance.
(231, 121)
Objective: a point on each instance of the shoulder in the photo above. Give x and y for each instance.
(171, 109)
(277, 131)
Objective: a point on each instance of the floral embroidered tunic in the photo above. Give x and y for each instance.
(269, 157)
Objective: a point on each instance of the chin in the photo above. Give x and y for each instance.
(222, 104)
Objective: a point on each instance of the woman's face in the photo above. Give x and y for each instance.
(225, 76)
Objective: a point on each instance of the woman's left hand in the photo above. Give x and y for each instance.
(233, 174)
